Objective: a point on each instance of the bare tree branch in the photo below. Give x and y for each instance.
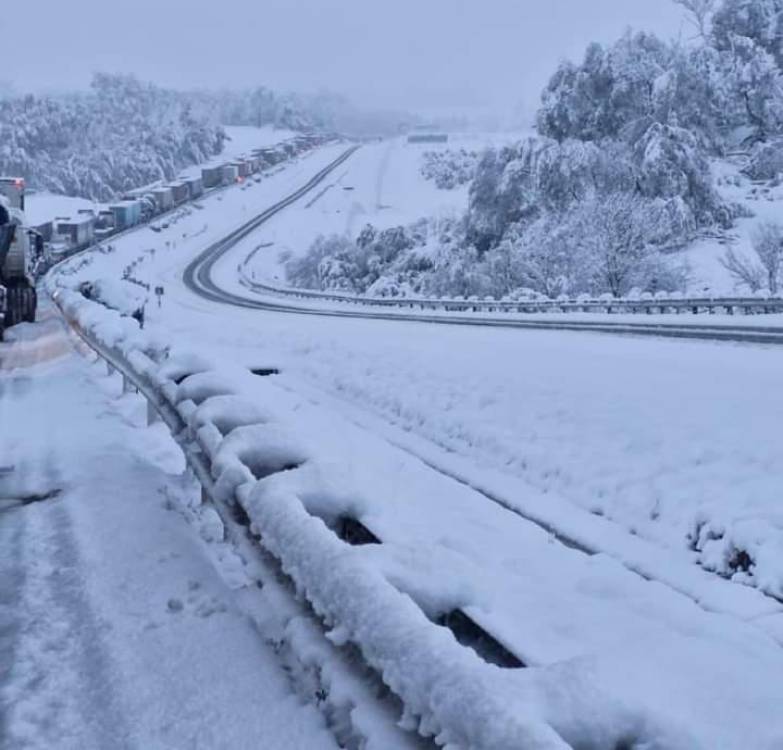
(698, 12)
(743, 270)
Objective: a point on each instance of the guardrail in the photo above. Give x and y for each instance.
(660, 306)
(449, 692)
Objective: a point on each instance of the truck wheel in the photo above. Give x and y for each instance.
(31, 302)
(14, 314)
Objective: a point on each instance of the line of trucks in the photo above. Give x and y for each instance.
(26, 251)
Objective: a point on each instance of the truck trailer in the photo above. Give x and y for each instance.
(127, 214)
(195, 187)
(180, 192)
(164, 197)
(212, 176)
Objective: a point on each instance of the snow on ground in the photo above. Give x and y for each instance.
(575, 619)
(381, 185)
(656, 435)
(708, 276)
(116, 629)
(244, 138)
(665, 438)
(41, 207)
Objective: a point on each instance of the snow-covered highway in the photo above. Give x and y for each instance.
(471, 452)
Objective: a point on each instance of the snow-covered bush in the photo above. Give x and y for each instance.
(449, 169)
(379, 260)
(766, 161)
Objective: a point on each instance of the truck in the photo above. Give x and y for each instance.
(195, 187)
(230, 174)
(76, 232)
(20, 249)
(164, 197)
(212, 176)
(126, 214)
(180, 192)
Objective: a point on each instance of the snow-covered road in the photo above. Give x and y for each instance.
(119, 626)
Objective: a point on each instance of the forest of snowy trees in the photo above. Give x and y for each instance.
(618, 177)
(123, 133)
(119, 135)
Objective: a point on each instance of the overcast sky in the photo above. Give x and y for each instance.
(395, 53)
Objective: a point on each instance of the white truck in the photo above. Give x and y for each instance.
(20, 247)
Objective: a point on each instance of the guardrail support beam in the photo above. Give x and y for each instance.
(127, 385)
(152, 414)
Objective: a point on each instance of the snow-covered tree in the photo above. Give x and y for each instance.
(672, 166)
(614, 234)
(119, 135)
(745, 271)
(613, 89)
(760, 21)
(699, 13)
(768, 246)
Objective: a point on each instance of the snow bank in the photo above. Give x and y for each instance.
(448, 692)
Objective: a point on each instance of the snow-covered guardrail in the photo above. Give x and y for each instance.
(246, 462)
(608, 306)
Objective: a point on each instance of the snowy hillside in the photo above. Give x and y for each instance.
(118, 136)
(124, 134)
(634, 162)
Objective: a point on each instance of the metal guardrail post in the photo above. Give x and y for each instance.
(127, 385)
(152, 414)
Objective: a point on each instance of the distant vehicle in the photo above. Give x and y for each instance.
(20, 249)
(428, 138)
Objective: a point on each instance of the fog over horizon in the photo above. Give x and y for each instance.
(443, 54)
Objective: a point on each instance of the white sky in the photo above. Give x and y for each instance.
(395, 53)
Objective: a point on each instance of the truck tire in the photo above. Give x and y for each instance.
(30, 304)
(22, 302)
(14, 306)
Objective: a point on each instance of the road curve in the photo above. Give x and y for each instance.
(197, 277)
